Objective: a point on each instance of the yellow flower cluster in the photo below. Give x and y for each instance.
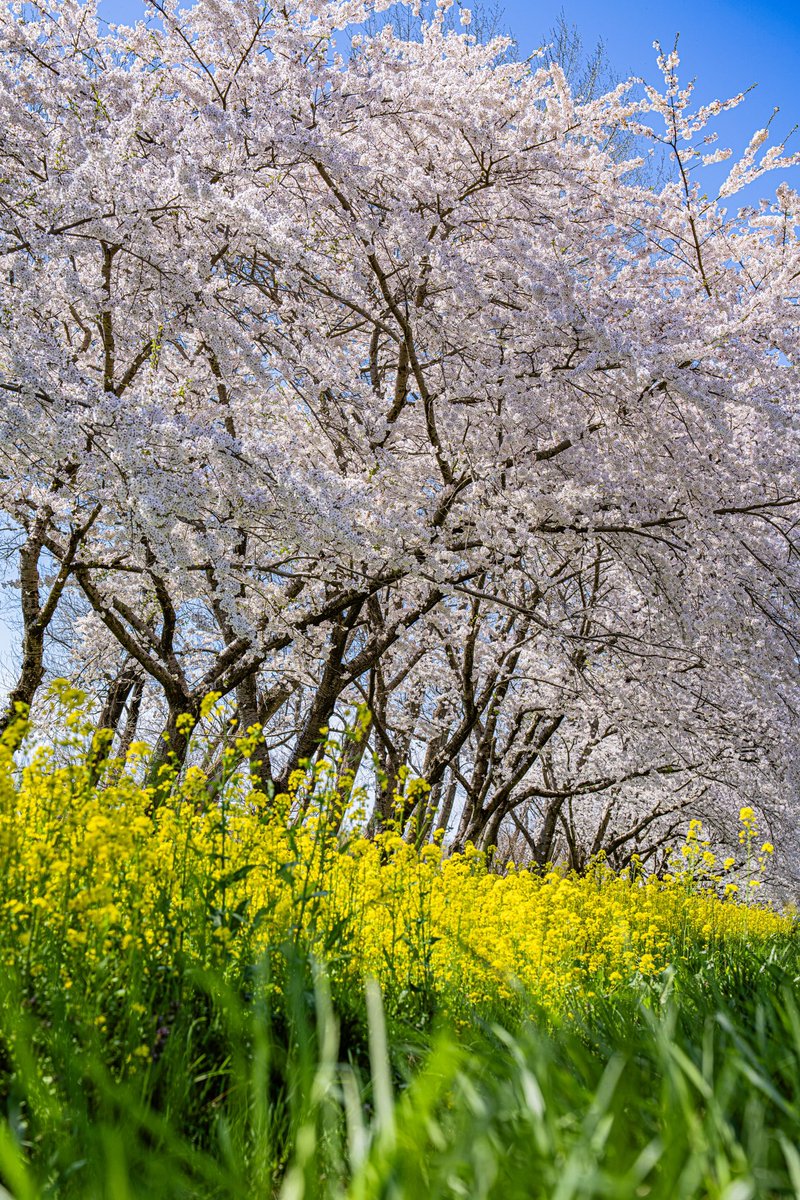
(89, 873)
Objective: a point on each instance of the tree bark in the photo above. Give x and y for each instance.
(119, 690)
(36, 616)
(172, 747)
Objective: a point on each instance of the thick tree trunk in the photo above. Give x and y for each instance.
(28, 681)
(352, 757)
(36, 616)
(546, 841)
(119, 689)
(249, 715)
(172, 747)
(34, 625)
(491, 831)
(420, 822)
(466, 825)
(117, 696)
(385, 810)
(132, 717)
(325, 697)
(443, 816)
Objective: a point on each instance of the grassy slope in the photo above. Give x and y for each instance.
(689, 1087)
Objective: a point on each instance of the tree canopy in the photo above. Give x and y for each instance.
(382, 378)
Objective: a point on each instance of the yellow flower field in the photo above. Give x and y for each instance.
(90, 872)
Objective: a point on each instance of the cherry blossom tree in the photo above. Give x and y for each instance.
(385, 378)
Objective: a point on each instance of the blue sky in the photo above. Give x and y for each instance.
(726, 44)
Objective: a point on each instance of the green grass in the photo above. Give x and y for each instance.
(688, 1088)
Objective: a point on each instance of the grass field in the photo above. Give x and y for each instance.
(229, 995)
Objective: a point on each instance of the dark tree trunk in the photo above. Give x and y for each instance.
(132, 717)
(36, 616)
(32, 668)
(491, 831)
(119, 690)
(172, 747)
(352, 757)
(446, 811)
(325, 698)
(421, 821)
(249, 715)
(466, 824)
